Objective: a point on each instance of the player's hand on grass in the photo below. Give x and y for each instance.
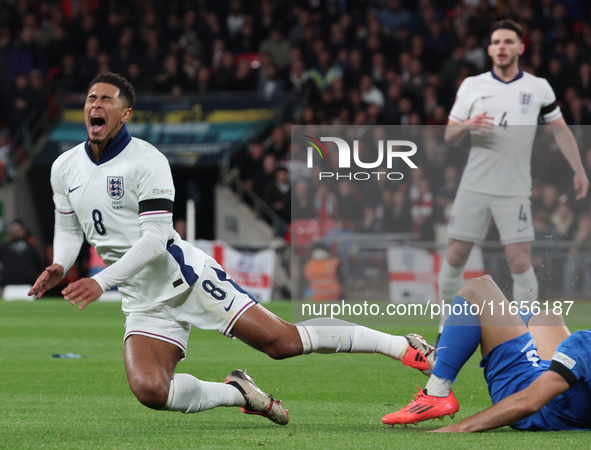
(83, 291)
(482, 123)
(48, 279)
(581, 184)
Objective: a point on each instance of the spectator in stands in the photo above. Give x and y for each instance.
(277, 46)
(369, 222)
(447, 192)
(37, 83)
(125, 52)
(563, 219)
(578, 266)
(224, 77)
(349, 204)
(549, 198)
(19, 259)
(153, 53)
(251, 163)
(88, 63)
(583, 81)
(171, 77)
(203, 80)
(190, 69)
(325, 72)
(264, 174)
(544, 229)
(302, 202)
(398, 216)
(475, 54)
(276, 193)
(355, 70)
(324, 275)
(576, 113)
(140, 83)
(421, 209)
(370, 94)
(245, 79)
(394, 17)
(301, 83)
(405, 109)
(26, 102)
(66, 80)
(390, 113)
(26, 55)
(272, 84)
(6, 165)
(278, 143)
(325, 202)
(418, 79)
(57, 47)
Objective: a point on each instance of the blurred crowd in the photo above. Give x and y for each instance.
(363, 62)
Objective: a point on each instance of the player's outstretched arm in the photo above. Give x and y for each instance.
(455, 131)
(569, 148)
(513, 408)
(50, 277)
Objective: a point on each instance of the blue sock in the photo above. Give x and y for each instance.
(459, 340)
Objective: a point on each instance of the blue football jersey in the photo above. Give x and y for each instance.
(571, 410)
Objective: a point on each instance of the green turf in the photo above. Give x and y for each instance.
(335, 401)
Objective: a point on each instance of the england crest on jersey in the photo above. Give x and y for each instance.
(525, 98)
(115, 187)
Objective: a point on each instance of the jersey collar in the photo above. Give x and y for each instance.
(116, 146)
(519, 75)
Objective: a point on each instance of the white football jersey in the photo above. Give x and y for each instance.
(131, 179)
(500, 162)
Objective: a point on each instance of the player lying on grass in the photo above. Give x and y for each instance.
(538, 374)
(118, 192)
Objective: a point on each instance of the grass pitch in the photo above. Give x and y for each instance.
(334, 401)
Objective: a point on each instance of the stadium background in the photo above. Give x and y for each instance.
(220, 83)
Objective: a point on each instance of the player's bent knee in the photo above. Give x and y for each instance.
(472, 290)
(519, 267)
(150, 392)
(283, 348)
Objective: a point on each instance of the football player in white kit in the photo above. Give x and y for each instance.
(500, 110)
(118, 191)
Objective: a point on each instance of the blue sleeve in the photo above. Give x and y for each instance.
(572, 358)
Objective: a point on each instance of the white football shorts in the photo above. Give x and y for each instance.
(471, 214)
(214, 302)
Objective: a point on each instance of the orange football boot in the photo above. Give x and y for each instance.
(423, 407)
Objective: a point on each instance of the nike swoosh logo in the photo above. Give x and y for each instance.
(230, 305)
(484, 97)
(522, 229)
(72, 190)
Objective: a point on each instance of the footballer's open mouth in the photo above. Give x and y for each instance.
(97, 124)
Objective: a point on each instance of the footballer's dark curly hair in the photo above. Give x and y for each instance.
(507, 24)
(126, 90)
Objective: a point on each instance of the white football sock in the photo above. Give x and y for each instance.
(525, 287)
(450, 281)
(325, 335)
(189, 394)
(438, 387)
